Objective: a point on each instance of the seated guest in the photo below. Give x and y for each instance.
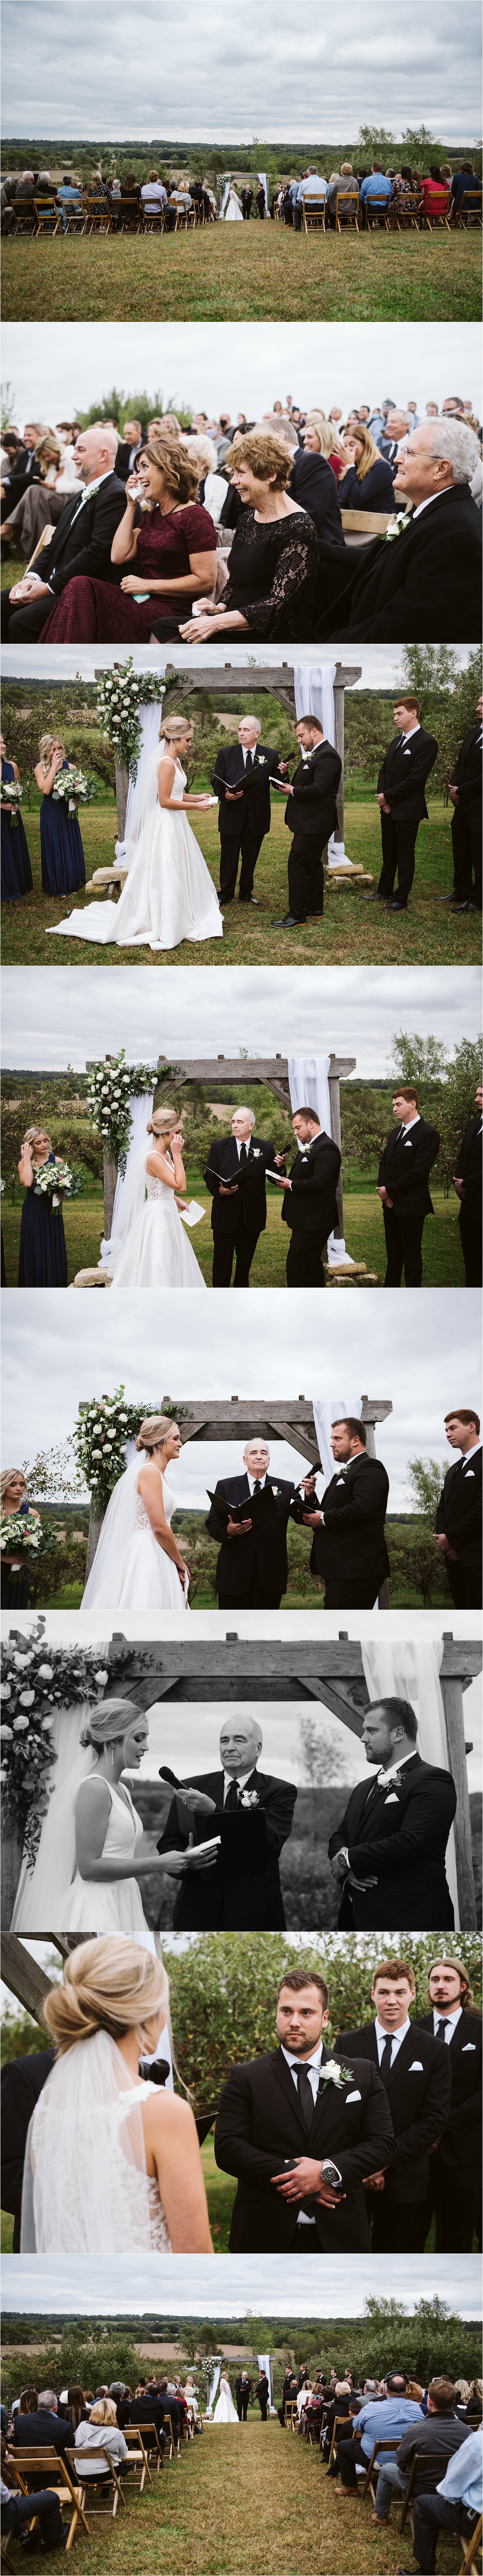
(393, 439)
(390, 1849)
(213, 489)
(377, 184)
(349, 1548)
(310, 185)
(100, 2433)
(82, 542)
(468, 1186)
(341, 184)
(426, 584)
(403, 1187)
(153, 194)
(38, 2425)
(22, 466)
(440, 2433)
(391, 2415)
(174, 550)
(310, 1200)
(132, 439)
(367, 482)
(466, 827)
(289, 2397)
(321, 438)
(69, 194)
(465, 177)
(417, 2077)
(311, 482)
(130, 186)
(458, 1517)
(455, 2506)
(402, 802)
(42, 504)
(434, 192)
(96, 186)
(16, 2510)
(402, 186)
(342, 2402)
(272, 565)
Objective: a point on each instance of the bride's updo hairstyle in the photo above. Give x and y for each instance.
(162, 1122)
(153, 1431)
(109, 1984)
(175, 728)
(108, 1722)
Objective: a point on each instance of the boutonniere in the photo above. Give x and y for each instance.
(395, 528)
(335, 2073)
(276, 1489)
(249, 1798)
(254, 1154)
(260, 761)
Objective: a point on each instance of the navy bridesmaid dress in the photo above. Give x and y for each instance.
(16, 870)
(42, 1260)
(14, 1588)
(63, 862)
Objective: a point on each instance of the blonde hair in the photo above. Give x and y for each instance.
(108, 1722)
(330, 443)
(109, 1984)
(162, 1121)
(31, 1137)
(270, 458)
(175, 728)
(103, 2412)
(47, 451)
(462, 2388)
(47, 744)
(370, 453)
(6, 1480)
(153, 1431)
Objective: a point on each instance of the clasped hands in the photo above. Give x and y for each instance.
(382, 1194)
(304, 2182)
(340, 1869)
(31, 589)
(444, 1546)
(382, 801)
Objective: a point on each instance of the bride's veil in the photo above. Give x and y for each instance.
(133, 1192)
(150, 718)
(118, 1527)
(41, 1893)
(85, 2184)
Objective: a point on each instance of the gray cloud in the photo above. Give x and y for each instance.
(69, 1015)
(231, 2284)
(238, 364)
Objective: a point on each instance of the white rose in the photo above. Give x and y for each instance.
(20, 1724)
(47, 1722)
(26, 1699)
(96, 1453)
(21, 1662)
(5, 1690)
(101, 1678)
(6, 1733)
(45, 1673)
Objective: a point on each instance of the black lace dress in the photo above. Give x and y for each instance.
(272, 569)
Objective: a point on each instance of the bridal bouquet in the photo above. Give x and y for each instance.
(11, 795)
(69, 785)
(22, 1535)
(54, 1179)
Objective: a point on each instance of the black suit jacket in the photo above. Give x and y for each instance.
(402, 777)
(405, 1166)
(265, 1548)
(459, 1507)
(468, 1167)
(20, 2085)
(311, 811)
(419, 2092)
(83, 544)
(223, 1159)
(422, 586)
(467, 772)
(214, 1899)
(230, 771)
(53, 2430)
(398, 1836)
(310, 1206)
(461, 2143)
(313, 484)
(351, 1540)
(124, 448)
(259, 2130)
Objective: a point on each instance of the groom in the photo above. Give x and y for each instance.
(300, 2137)
(311, 816)
(241, 780)
(235, 1172)
(252, 1568)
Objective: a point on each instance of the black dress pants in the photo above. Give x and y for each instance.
(304, 1265)
(241, 1240)
(19, 2510)
(245, 841)
(255, 1597)
(431, 2514)
(404, 1246)
(465, 1584)
(456, 2198)
(466, 835)
(358, 1593)
(22, 625)
(398, 848)
(398, 2226)
(305, 877)
(348, 2454)
(242, 2409)
(469, 1222)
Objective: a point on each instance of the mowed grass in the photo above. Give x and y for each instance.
(351, 932)
(243, 2500)
(247, 272)
(443, 1265)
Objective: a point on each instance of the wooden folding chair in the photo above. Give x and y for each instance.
(471, 209)
(85, 2484)
(75, 218)
(376, 206)
(424, 2460)
(24, 219)
(44, 209)
(99, 218)
(173, 2446)
(314, 213)
(338, 2420)
(135, 2436)
(322, 2423)
(437, 214)
(406, 212)
(369, 2487)
(149, 2435)
(350, 198)
(44, 540)
(130, 215)
(472, 2551)
(59, 2475)
(290, 2411)
(5, 2554)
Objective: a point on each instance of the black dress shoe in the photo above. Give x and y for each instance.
(372, 898)
(447, 898)
(289, 921)
(250, 898)
(395, 907)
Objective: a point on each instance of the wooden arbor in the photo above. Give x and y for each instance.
(271, 1069)
(276, 679)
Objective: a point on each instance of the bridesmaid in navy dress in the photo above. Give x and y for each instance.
(63, 862)
(16, 869)
(14, 1588)
(42, 1261)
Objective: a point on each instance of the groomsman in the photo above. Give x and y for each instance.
(310, 1199)
(311, 815)
(241, 1891)
(252, 1567)
(454, 2189)
(299, 2141)
(389, 1851)
(241, 780)
(466, 828)
(235, 1172)
(458, 1518)
(416, 2077)
(403, 1179)
(402, 803)
(349, 1547)
(468, 1186)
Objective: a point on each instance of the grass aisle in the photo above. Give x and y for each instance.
(251, 272)
(442, 1256)
(352, 933)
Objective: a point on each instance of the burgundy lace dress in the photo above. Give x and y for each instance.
(98, 612)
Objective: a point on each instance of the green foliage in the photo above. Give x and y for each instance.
(100, 1436)
(424, 1481)
(21, 2037)
(119, 407)
(223, 1993)
(112, 1084)
(416, 1561)
(419, 1060)
(364, 1127)
(456, 1105)
(449, 696)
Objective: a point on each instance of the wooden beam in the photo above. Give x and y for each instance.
(23, 1976)
(313, 1659)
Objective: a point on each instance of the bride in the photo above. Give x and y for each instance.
(169, 894)
(112, 2164)
(233, 215)
(93, 1848)
(156, 1251)
(137, 1564)
(225, 2411)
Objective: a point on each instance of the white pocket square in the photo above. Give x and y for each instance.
(353, 2097)
(392, 1800)
(469, 2043)
(416, 2067)
(469, 1472)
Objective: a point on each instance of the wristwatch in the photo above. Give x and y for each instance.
(330, 2173)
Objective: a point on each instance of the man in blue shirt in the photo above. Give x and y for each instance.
(378, 2420)
(310, 185)
(456, 2506)
(377, 185)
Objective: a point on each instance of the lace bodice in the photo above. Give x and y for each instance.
(142, 1517)
(146, 2185)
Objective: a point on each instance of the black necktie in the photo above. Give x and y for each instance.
(440, 2033)
(243, 1154)
(231, 1800)
(385, 2059)
(249, 761)
(306, 2097)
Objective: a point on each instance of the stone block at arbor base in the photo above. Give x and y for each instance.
(100, 1278)
(114, 876)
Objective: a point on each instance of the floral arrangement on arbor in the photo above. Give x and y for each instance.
(119, 698)
(111, 1087)
(100, 1438)
(36, 1683)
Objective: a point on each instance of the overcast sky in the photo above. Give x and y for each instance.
(380, 668)
(272, 2284)
(55, 1356)
(63, 1016)
(236, 365)
(257, 71)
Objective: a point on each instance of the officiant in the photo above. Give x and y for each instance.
(249, 1516)
(251, 1814)
(235, 1173)
(241, 780)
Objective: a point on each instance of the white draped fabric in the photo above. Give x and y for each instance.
(410, 1671)
(213, 2387)
(263, 183)
(224, 200)
(140, 1112)
(65, 1748)
(324, 1415)
(309, 1086)
(265, 2362)
(314, 696)
(150, 722)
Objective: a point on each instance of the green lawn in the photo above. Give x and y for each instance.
(351, 932)
(364, 1233)
(244, 2500)
(220, 2194)
(245, 273)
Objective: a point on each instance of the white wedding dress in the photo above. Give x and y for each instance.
(157, 1252)
(234, 215)
(105, 1904)
(85, 2186)
(168, 895)
(130, 1570)
(225, 2412)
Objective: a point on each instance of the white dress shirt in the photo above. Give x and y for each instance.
(408, 1123)
(250, 748)
(242, 1140)
(432, 496)
(451, 2019)
(256, 1483)
(236, 1780)
(396, 2037)
(312, 2066)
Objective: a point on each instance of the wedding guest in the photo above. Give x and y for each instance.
(349, 1546)
(402, 803)
(468, 1186)
(465, 177)
(467, 818)
(42, 1260)
(320, 438)
(132, 439)
(174, 550)
(455, 2506)
(272, 564)
(454, 2182)
(389, 1851)
(367, 482)
(310, 185)
(239, 1889)
(403, 1187)
(17, 2509)
(417, 2079)
(241, 780)
(153, 194)
(426, 583)
(235, 1173)
(40, 505)
(14, 1580)
(16, 877)
(310, 1200)
(22, 466)
(252, 1569)
(284, 2110)
(38, 2425)
(441, 2432)
(434, 192)
(63, 862)
(458, 1517)
(392, 2416)
(375, 185)
(82, 542)
(100, 2432)
(311, 816)
(341, 184)
(311, 482)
